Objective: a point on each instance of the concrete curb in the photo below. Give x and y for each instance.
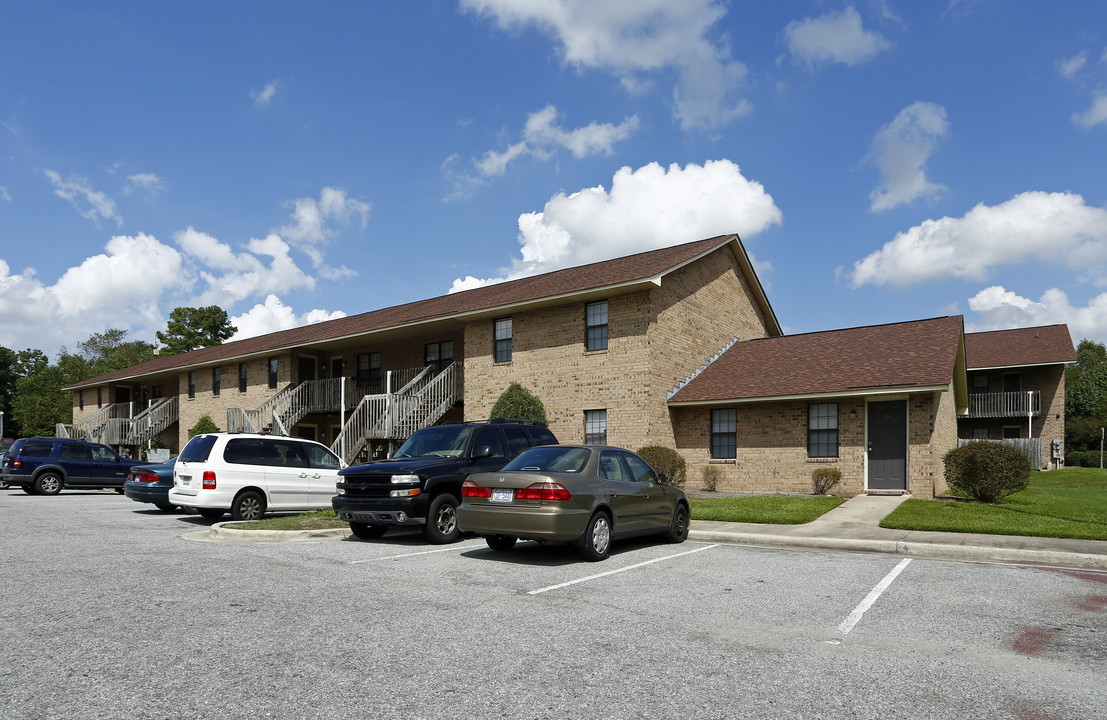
(220, 531)
(932, 551)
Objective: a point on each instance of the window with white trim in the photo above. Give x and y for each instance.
(595, 321)
(595, 427)
(724, 433)
(822, 430)
(502, 340)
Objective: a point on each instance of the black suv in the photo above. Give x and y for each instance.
(44, 465)
(420, 484)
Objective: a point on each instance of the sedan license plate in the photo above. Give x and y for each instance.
(499, 495)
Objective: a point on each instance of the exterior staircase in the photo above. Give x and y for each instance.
(422, 398)
(117, 424)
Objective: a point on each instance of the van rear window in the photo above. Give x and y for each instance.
(197, 449)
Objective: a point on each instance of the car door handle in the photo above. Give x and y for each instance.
(303, 474)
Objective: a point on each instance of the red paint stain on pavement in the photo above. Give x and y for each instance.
(1033, 640)
(1091, 603)
(1098, 577)
(1031, 711)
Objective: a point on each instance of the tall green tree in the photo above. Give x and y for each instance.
(13, 366)
(192, 328)
(40, 403)
(1086, 397)
(110, 350)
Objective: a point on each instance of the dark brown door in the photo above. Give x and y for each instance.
(888, 445)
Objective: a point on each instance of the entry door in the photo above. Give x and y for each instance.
(888, 445)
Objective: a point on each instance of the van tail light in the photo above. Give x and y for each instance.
(544, 491)
(209, 480)
(470, 489)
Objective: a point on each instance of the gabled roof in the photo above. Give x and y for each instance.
(908, 356)
(1044, 345)
(624, 274)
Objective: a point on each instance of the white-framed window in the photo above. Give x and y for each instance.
(822, 430)
(595, 427)
(502, 340)
(595, 322)
(724, 433)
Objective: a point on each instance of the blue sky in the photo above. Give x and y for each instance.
(292, 162)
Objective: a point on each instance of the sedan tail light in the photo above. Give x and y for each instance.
(543, 491)
(143, 476)
(470, 489)
(209, 480)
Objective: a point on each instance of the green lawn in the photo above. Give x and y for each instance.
(774, 509)
(1068, 503)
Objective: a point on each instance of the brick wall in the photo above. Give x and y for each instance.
(772, 445)
(656, 339)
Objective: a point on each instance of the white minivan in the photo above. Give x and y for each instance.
(248, 474)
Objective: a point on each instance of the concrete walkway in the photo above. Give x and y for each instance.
(855, 525)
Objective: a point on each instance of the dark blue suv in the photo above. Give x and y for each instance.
(45, 465)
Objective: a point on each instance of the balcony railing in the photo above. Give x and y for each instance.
(1005, 404)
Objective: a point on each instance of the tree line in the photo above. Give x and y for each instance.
(31, 394)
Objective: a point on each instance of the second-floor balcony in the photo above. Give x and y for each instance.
(1027, 403)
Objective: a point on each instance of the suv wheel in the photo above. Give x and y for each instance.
(442, 520)
(248, 506)
(4, 485)
(48, 483)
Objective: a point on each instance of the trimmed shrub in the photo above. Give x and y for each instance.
(520, 404)
(666, 460)
(204, 425)
(712, 474)
(987, 471)
(824, 479)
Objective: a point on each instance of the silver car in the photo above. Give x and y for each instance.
(583, 494)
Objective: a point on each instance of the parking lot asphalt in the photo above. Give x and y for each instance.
(852, 526)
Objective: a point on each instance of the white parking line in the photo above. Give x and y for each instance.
(613, 572)
(855, 616)
(423, 552)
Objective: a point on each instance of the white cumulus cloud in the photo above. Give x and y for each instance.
(834, 37)
(230, 277)
(274, 315)
(119, 288)
(632, 39)
(311, 225)
(900, 150)
(999, 308)
(1056, 228)
(648, 208)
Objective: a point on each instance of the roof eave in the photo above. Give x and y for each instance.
(849, 392)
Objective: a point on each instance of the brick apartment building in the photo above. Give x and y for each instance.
(677, 347)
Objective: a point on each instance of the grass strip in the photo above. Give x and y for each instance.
(771, 509)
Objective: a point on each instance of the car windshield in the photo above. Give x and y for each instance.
(444, 440)
(197, 449)
(551, 459)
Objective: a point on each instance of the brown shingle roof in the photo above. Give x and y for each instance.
(922, 353)
(1045, 345)
(605, 274)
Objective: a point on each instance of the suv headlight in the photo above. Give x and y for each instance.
(398, 479)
